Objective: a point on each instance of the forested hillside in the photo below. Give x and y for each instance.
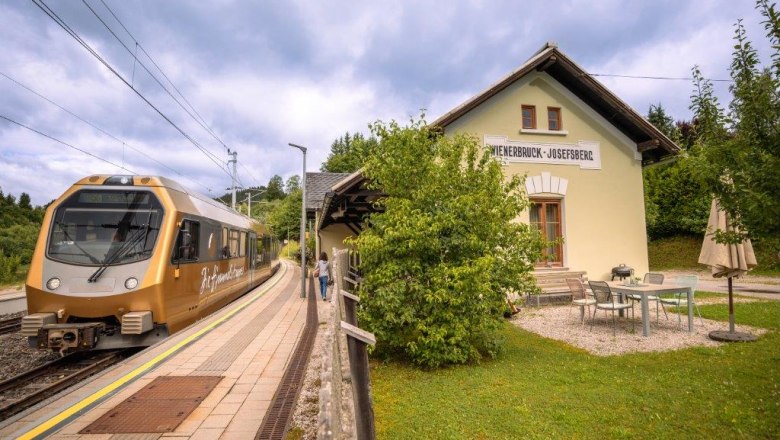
(20, 223)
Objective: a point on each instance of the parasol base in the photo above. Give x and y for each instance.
(724, 336)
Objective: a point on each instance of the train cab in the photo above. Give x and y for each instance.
(128, 260)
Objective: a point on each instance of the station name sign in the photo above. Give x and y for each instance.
(586, 154)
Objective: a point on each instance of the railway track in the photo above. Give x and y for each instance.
(10, 325)
(25, 390)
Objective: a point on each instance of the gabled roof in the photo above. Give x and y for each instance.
(653, 144)
(317, 185)
(349, 202)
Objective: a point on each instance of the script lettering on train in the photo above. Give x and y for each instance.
(210, 280)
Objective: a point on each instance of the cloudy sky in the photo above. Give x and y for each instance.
(255, 75)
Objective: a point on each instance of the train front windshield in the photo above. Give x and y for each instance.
(102, 227)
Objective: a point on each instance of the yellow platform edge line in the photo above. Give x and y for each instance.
(97, 395)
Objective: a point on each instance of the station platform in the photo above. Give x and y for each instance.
(218, 377)
(12, 301)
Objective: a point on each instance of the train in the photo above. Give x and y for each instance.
(126, 261)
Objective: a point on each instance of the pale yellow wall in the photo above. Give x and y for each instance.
(603, 210)
(332, 236)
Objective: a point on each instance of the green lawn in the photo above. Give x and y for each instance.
(541, 388)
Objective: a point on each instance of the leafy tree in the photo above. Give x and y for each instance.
(348, 153)
(740, 149)
(675, 201)
(440, 260)
(19, 226)
(293, 184)
(286, 217)
(662, 121)
(24, 202)
(275, 189)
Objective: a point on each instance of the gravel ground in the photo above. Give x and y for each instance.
(562, 323)
(307, 408)
(16, 357)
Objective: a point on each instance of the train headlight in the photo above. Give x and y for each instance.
(131, 283)
(53, 283)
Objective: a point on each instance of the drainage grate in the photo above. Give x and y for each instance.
(277, 419)
(158, 407)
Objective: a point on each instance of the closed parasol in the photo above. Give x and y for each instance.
(726, 261)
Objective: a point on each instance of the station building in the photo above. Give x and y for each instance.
(581, 148)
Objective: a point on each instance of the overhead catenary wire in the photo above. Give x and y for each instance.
(111, 31)
(66, 144)
(20, 84)
(199, 119)
(205, 125)
(53, 15)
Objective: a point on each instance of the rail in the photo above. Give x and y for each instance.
(345, 400)
(25, 390)
(10, 325)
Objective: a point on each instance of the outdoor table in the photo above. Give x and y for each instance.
(644, 290)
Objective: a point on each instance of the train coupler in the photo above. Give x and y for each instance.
(70, 337)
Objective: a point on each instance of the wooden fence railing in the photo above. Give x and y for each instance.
(346, 410)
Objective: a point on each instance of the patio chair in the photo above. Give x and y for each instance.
(579, 297)
(651, 278)
(603, 296)
(680, 299)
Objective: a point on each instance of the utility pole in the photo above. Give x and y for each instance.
(233, 159)
(249, 202)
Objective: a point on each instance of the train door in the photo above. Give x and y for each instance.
(251, 256)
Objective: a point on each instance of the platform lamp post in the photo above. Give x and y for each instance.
(303, 222)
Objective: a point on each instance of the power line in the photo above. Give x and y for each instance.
(250, 174)
(207, 127)
(18, 83)
(67, 144)
(53, 15)
(111, 31)
(665, 78)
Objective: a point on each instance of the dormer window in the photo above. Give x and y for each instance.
(553, 118)
(529, 117)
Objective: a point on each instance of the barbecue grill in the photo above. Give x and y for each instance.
(622, 271)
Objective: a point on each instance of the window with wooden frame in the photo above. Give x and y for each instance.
(529, 117)
(545, 214)
(554, 118)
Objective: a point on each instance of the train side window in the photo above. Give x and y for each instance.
(187, 242)
(233, 243)
(242, 245)
(224, 244)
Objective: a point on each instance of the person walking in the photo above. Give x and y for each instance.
(323, 273)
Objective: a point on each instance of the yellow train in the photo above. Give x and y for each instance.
(125, 261)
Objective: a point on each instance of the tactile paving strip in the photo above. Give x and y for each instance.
(158, 407)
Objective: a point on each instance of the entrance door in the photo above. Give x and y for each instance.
(546, 215)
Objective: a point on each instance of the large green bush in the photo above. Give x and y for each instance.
(8, 267)
(440, 260)
(676, 203)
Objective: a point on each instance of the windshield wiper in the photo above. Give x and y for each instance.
(117, 255)
(68, 237)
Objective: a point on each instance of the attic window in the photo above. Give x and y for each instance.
(554, 118)
(529, 117)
